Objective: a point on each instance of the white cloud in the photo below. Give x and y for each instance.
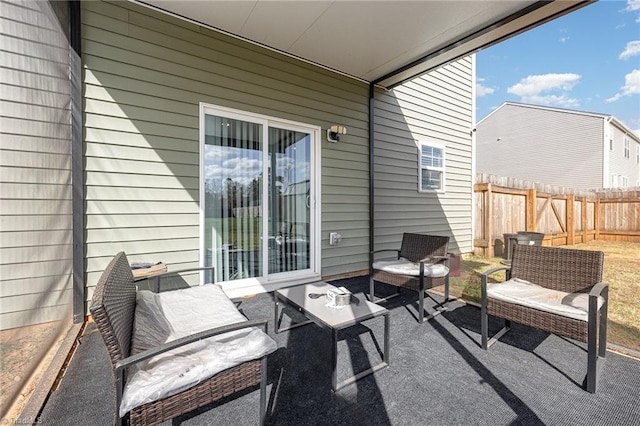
(552, 100)
(633, 6)
(631, 86)
(547, 89)
(483, 90)
(564, 35)
(632, 49)
(534, 85)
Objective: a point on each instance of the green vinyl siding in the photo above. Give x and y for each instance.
(144, 76)
(35, 168)
(435, 108)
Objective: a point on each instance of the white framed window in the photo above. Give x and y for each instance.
(614, 181)
(431, 167)
(624, 181)
(611, 144)
(626, 147)
(637, 154)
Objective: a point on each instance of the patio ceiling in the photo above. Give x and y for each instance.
(384, 42)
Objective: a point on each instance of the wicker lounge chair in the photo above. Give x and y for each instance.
(582, 313)
(421, 263)
(114, 308)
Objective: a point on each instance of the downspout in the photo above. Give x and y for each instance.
(77, 172)
(371, 175)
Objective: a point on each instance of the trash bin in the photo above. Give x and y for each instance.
(509, 239)
(522, 237)
(530, 238)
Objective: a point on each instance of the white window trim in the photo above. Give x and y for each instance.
(627, 148)
(443, 190)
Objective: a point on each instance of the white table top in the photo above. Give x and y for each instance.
(316, 310)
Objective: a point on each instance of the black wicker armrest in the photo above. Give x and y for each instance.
(485, 274)
(159, 277)
(149, 353)
(600, 289)
(483, 281)
(383, 250)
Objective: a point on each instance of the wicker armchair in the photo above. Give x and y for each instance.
(113, 308)
(575, 273)
(421, 263)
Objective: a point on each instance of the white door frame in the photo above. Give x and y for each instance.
(268, 282)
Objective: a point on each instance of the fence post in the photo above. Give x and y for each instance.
(584, 224)
(532, 209)
(488, 220)
(571, 221)
(596, 218)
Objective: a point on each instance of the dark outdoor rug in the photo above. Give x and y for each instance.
(438, 375)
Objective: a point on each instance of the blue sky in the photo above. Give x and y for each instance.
(588, 60)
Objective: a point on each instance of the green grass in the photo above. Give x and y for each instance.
(621, 272)
(227, 226)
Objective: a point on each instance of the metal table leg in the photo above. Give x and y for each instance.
(334, 359)
(276, 324)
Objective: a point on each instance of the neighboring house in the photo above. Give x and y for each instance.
(175, 141)
(574, 149)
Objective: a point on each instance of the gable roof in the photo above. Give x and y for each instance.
(609, 117)
(380, 42)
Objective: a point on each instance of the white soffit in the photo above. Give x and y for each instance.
(372, 40)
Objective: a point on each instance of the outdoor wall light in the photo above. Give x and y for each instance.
(334, 132)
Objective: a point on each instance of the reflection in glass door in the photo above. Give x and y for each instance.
(233, 179)
(257, 198)
(289, 200)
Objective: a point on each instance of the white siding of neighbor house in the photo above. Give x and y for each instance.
(145, 74)
(435, 108)
(551, 146)
(35, 166)
(618, 164)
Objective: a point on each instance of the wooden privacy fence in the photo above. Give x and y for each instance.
(565, 216)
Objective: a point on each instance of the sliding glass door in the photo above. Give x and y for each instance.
(258, 187)
(289, 218)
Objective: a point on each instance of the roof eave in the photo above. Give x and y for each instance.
(510, 26)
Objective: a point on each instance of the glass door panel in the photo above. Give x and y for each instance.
(289, 193)
(257, 192)
(233, 198)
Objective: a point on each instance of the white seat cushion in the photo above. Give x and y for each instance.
(525, 293)
(182, 313)
(405, 267)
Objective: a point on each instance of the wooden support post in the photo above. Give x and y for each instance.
(596, 218)
(488, 221)
(571, 221)
(584, 223)
(532, 206)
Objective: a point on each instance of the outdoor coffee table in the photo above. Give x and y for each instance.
(333, 319)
